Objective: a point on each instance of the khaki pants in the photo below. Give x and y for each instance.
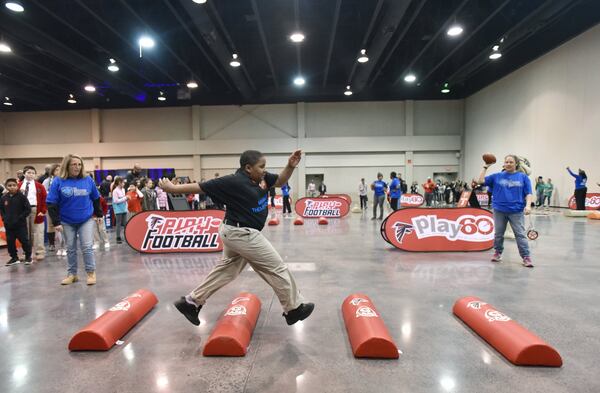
(243, 246)
(100, 235)
(36, 234)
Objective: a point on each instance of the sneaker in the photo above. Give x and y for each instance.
(52, 247)
(527, 262)
(91, 278)
(119, 241)
(28, 261)
(299, 314)
(107, 245)
(188, 310)
(497, 257)
(12, 262)
(69, 280)
(95, 246)
(373, 218)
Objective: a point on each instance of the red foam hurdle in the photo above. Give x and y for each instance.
(323, 221)
(231, 336)
(104, 331)
(369, 337)
(274, 221)
(298, 221)
(517, 344)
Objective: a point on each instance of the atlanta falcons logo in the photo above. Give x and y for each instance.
(153, 220)
(402, 229)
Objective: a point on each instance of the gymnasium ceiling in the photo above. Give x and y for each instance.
(60, 46)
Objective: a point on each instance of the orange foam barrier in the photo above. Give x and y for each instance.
(594, 215)
(517, 344)
(104, 331)
(231, 336)
(274, 221)
(323, 221)
(298, 221)
(369, 337)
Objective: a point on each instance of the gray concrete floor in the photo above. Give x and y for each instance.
(413, 292)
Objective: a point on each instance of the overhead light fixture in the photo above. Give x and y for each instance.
(7, 101)
(455, 30)
(199, 1)
(161, 97)
(410, 78)
(235, 62)
(495, 52)
(297, 37)
(145, 42)
(445, 89)
(192, 85)
(348, 92)
(71, 99)
(113, 67)
(89, 88)
(4, 48)
(363, 56)
(299, 81)
(14, 6)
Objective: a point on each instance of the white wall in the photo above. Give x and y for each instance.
(547, 111)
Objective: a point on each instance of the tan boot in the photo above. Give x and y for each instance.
(69, 280)
(91, 278)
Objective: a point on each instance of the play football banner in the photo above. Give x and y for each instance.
(343, 196)
(592, 202)
(330, 207)
(411, 200)
(450, 229)
(160, 231)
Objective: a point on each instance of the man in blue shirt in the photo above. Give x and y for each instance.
(379, 187)
(285, 191)
(395, 191)
(511, 197)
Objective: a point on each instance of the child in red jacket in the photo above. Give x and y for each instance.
(134, 204)
(36, 195)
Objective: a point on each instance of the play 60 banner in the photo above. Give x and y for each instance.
(160, 231)
(467, 229)
(330, 207)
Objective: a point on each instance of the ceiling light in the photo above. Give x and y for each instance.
(146, 42)
(113, 67)
(235, 62)
(495, 47)
(14, 6)
(4, 48)
(71, 99)
(410, 78)
(199, 1)
(299, 81)
(454, 30)
(192, 85)
(445, 89)
(348, 92)
(7, 102)
(90, 88)
(297, 37)
(495, 52)
(161, 97)
(363, 56)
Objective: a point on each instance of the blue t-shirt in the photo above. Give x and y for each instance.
(580, 181)
(379, 187)
(509, 191)
(395, 190)
(285, 190)
(74, 198)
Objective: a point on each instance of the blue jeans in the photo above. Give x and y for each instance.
(85, 232)
(517, 223)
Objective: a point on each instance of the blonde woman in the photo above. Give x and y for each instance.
(73, 205)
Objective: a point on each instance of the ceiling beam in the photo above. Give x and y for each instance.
(363, 44)
(297, 25)
(336, 17)
(263, 38)
(397, 42)
(442, 29)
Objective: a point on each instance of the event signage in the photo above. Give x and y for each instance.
(278, 202)
(411, 200)
(592, 202)
(482, 197)
(330, 207)
(448, 229)
(343, 196)
(160, 231)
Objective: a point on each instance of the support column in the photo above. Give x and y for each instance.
(196, 134)
(5, 169)
(301, 170)
(96, 135)
(409, 126)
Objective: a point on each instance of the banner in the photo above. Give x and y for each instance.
(592, 202)
(160, 231)
(330, 207)
(464, 199)
(278, 202)
(343, 196)
(440, 230)
(411, 200)
(483, 198)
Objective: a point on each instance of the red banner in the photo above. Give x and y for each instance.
(160, 231)
(450, 229)
(483, 198)
(464, 199)
(411, 200)
(343, 196)
(330, 207)
(592, 202)
(278, 202)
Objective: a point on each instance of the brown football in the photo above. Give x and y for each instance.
(489, 158)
